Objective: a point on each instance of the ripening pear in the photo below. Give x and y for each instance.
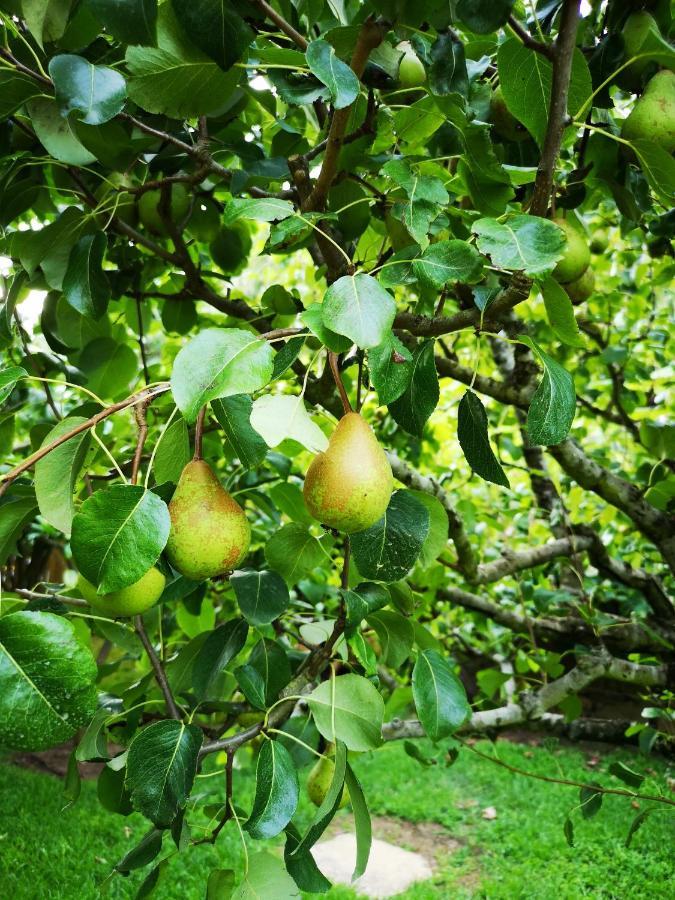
(582, 288)
(506, 124)
(653, 116)
(319, 781)
(576, 257)
(640, 36)
(148, 208)
(348, 486)
(210, 534)
(411, 72)
(129, 601)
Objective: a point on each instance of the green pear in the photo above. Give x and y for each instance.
(506, 124)
(210, 534)
(653, 116)
(599, 241)
(349, 485)
(576, 256)
(148, 208)
(411, 72)
(582, 288)
(319, 780)
(129, 601)
(641, 37)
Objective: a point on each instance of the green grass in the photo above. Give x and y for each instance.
(46, 853)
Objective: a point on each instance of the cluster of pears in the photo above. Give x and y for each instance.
(320, 777)
(573, 269)
(348, 486)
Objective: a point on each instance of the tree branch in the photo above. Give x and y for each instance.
(160, 675)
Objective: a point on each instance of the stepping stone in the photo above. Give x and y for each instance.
(391, 870)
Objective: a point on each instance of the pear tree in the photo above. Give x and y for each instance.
(335, 401)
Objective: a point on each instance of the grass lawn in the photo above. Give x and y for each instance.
(46, 853)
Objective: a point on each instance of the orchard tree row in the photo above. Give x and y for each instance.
(335, 400)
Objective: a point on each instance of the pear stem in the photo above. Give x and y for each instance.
(335, 369)
(199, 430)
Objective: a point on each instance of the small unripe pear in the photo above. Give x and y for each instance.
(576, 257)
(148, 208)
(411, 72)
(582, 288)
(348, 487)
(653, 116)
(210, 534)
(129, 601)
(319, 780)
(505, 123)
(640, 35)
(599, 241)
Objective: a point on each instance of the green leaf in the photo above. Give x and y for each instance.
(56, 474)
(265, 674)
(388, 549)
(234, 416)
(72, 785)
(358, 307)
(560, 313)
(390, 369)
(118, 534)
(9, 378)
(216, 28)
(324, 814)
(161, 766)
(17, 509)
(129, 21)
(85, 285)
(293, 552)
(472, 433)
(96, 93)
(362, 824)
(659, 169)
(522, 243)
(50, 247)
(215, 654)
(266, 209)
(110, 367)
(440, 698)
(266, 879)
(56, 133)
(303, 868)
(417, 122)
(312, 317)
(219, 362)
(638, 822)
(396, 636)
(15, 91)
(484, 16)
(447, 261)
(46, 19)
(447, 72)
(554, 402)
(276, 792)
(417, 187)
(437, 538)
(364, 600)
(143, 853)
(286, 356)
(590, 799)
(173, 453)
(283, 416)
(262, 596)
(525, 78)
(47, 681)
(349, 709)
(220, 884)
(412, 409)
(340, 80)
(568, 831)
(624, 773)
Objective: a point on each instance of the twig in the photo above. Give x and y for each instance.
(141, 341)
(140, 412)
(335, 369)
(528, 40)
(160, 675)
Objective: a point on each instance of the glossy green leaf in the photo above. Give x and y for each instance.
(590, 799)
(659, 169)
(472, 433)
(17, 509)
(56, 133)
(560, 313)
(358, 307)
(47, 681)
(9, 378)
(262, 596)
(447, 261)
(110, 367)
(266, 879)
(412, 409)
(302, 867)
(161, 766)
(553, 405)
(56, 474)
(312, 317)
(234, 416)
(522, 243)
(85, 285)
(349, 709)
(46, 19)
(437, 537)
(484, 16)
(396, 635)
(15, 90)
(440, 698)
(362, 823)
(282, 417)
(147, 849)
(219, 362)
(118, 534)
(266, 209)
(129, 21)
(215, 654)
(388, 549)
(96, 93)
(447, 72)
(296, 850)
(216, 28)
(340, 80)
(266, 673)
(173, 453)
(390, 369)
(276, 792)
